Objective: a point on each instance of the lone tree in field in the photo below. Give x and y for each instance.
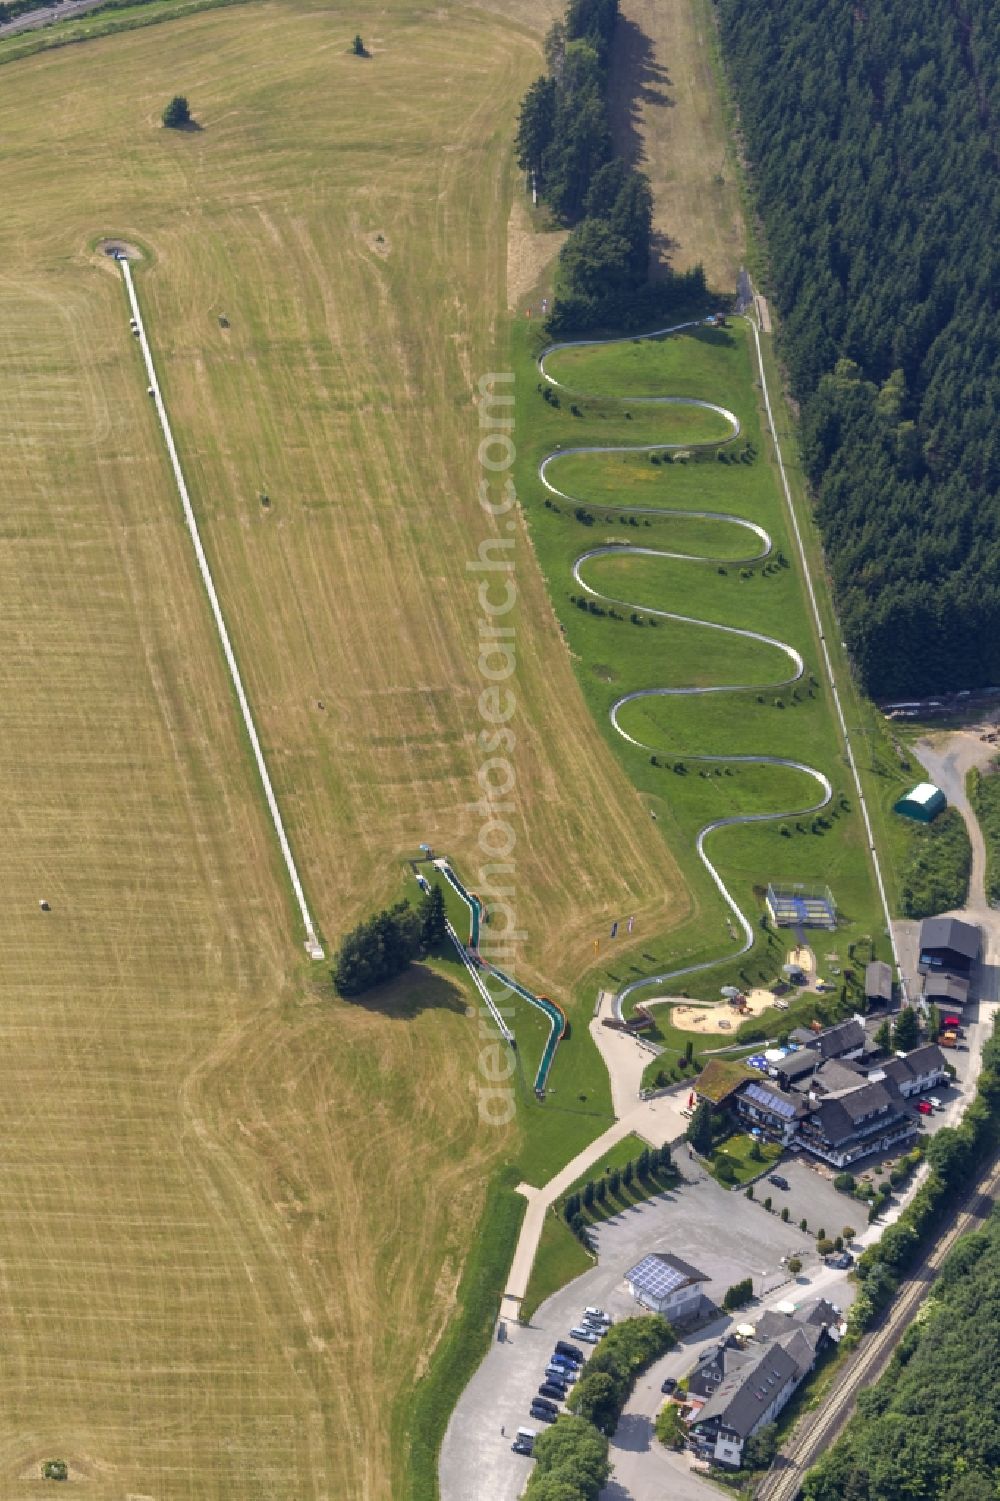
(358, 47)
(177, 113)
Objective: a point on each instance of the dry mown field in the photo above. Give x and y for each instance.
(669, 120)
(236, 1214)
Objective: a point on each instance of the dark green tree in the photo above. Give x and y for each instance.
(883, 1038)
(699, 1129)
(761, 1447)
(177, 113)
(433, 919)
(535, 127)
(358, 47)
(906, 1032)
(377, 950)
(600, 1401)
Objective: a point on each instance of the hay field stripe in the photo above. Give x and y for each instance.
(313, 945)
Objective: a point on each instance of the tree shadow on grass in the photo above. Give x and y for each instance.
(418, 989)
(636, 79)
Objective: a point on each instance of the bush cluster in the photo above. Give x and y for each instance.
(571, 1462)
(609, 1375)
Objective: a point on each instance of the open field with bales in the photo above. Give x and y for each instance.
(217, 1177)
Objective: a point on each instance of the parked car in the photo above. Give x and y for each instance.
(524, 1440)
(841, 1260)
(669, 1387)
(590, 1335)
(554, 1389)
(568, 1362)
(560, 1373)
(573, 1351)
(602, 1322)
(594, 1313)
(925, 1107)
(778, 1181)
(934, 1102)
(543, 1414)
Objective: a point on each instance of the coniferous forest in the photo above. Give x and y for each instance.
(872, 129)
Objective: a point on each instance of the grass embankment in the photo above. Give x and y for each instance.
(421, 1422)
(677, 121)
(984, 795)
(732, 1162)
(615, 656)
(561, 1256)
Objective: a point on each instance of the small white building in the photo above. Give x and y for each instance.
(666, 1284)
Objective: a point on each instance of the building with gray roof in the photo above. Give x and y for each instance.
(755, 1385)
(665, 1284)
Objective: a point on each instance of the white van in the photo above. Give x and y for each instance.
(595, 1313)
(524, 1440)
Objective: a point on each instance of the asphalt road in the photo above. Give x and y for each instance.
(45, 17)
(723, 1234)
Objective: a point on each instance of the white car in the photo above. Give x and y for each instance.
(932, 1099)
(589, 1335)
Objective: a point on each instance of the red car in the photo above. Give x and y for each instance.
(925, 1107)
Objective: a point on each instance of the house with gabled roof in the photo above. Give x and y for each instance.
(665, 1284)
(757, 1384)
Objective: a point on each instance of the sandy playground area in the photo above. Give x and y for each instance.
(721, 1016)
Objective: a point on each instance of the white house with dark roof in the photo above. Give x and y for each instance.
(665, 1284)
(914, 1072)
(737, 1388)
(758, 1382)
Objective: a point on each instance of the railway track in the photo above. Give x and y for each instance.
(817, 1431)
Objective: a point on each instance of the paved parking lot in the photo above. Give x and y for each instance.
(721, 1233)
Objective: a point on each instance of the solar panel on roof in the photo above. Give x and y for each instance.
(773, 1102)
(656, 1277)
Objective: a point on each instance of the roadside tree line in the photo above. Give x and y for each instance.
(639, 1176)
